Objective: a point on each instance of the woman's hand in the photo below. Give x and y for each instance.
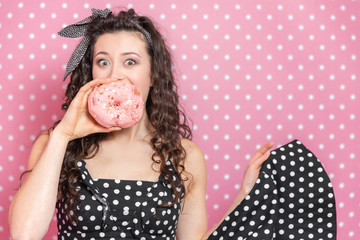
(253, 168)
(77, 121)
(250, 176)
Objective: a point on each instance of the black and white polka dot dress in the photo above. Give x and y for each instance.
(121, 209)
(292, 199)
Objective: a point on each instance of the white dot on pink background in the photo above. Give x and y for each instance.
(248, 73)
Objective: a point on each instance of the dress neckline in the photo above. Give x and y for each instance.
(118, 180)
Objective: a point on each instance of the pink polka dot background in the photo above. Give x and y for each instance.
(249, 72)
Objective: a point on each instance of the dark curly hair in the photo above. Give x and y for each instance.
(162, 106)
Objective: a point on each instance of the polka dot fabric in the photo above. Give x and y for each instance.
(120, 209)
(248, 72)
(292, 199)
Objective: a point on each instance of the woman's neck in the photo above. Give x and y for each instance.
(140, 131)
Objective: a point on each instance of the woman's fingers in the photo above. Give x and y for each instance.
(260, 160)
(262, 152)
(253, 167)
(87, 93)
(77, 121)
(92, 84)
(112, 129)
(96, 82)
(81, 98)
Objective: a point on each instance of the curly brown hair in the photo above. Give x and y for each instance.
(162, 106)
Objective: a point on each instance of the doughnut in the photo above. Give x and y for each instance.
(117, 104)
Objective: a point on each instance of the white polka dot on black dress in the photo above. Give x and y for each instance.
(292, 198)
(120, 209)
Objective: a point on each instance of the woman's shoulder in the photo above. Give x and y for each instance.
(37, 149)
(195, 160)
(195, 168)
(191, 148)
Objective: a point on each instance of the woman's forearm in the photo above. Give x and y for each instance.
(33, 205)
(236, 202)
(251, 174)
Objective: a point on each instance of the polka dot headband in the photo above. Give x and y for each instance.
(79, 29)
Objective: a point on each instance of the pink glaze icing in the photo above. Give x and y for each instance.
(116, 104)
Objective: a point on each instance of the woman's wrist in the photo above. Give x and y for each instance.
(241, 195)
(58, 134)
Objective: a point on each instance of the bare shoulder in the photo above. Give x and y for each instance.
(190, 145)
(37, 149)
(195, 164)
(194, 154)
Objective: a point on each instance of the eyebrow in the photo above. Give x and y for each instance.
(122, 54)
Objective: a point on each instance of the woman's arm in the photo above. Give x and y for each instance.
(193, 219)
(33, 205)
(250, 176)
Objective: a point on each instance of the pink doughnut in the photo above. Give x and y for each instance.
(116, 104)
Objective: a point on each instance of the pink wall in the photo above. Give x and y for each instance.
(249, 72)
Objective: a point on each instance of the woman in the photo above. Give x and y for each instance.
(143, 182)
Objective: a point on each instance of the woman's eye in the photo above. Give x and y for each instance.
(103, 62)
(129, 62)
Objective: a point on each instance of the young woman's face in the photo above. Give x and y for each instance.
(123, 55)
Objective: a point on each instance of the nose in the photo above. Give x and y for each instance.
(117, 73)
